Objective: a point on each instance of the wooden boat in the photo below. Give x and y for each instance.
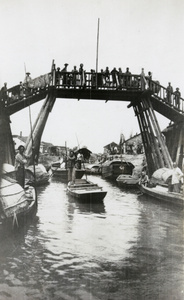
(42, 177)
(111, 169)
(60, 171)
(162, 194)
(59, 168)
(16, 203)
(94, 169)
(85, 190)
(125, 180)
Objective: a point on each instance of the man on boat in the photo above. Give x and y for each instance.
(144, 180)
(20, 162)
(177, 179)
(71, 166)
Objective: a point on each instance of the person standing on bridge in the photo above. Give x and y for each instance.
(149, 79)
(107, 76)
(74, 76)
(64, 75)
(114, 74)
(21, 90)
(82, 76)
(28, 83)
(143, 80)
(120, 78)
(128, 79)
(58, 76)
(177, 96)
(4, 94)
(169, 91)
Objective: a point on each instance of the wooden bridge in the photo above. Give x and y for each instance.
(144, 95)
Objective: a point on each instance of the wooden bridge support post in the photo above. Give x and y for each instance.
(34, 138)
(180, 154)
(166, 159)
(156, 151)
(154, 144)
(7, 153)
(151, 157)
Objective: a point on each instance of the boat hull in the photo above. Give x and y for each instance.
(127, 181)
(163, 195)
(41, 175)
(63, 173)
(112, 169)
(21, 214)
(86, 191)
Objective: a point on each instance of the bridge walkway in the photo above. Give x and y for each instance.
(95, 87)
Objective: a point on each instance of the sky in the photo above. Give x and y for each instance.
(132, 33)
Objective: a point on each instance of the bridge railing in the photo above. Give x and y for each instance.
(91, 80)
(170, 99)
(96, 80)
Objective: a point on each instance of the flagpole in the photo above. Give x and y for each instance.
(97, 49)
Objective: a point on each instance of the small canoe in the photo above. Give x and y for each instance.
(162, 194)
(85, 190)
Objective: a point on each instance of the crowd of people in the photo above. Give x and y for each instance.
(79, 78)
(115, 78)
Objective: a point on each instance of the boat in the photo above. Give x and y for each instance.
(85, 190)
(111, 169)
(41, 177)
(93, 169)
(16, 203)
(59, 170)
(125, 180)
(162, 194)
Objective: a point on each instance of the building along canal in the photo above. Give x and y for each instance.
(128, 246)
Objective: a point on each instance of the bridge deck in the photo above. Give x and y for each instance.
(125, 88)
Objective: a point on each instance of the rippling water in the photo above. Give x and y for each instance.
(126, 247)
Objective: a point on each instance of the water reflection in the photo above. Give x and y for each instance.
(88, 207)
(125, 247)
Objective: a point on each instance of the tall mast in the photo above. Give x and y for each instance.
(97, 45)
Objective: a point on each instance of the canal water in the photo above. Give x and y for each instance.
(127, 247)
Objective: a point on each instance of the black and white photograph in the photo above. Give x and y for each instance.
(92, 150)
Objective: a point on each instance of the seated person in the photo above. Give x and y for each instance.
(144, 180)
